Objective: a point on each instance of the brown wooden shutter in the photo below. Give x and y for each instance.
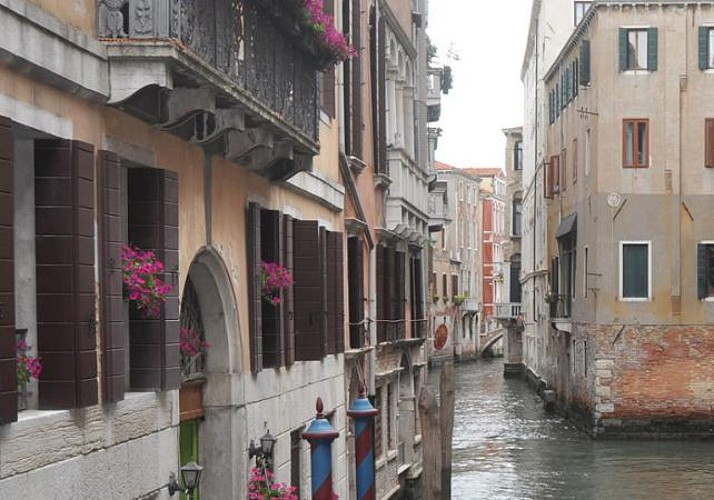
(334, 297)
(338, 275)
(271, 250)
(153, 225)
(8, 368)
(114, 324)
(454, 285)
(66, 314)
(356, 95)
(289, 296)
(381, 292)
(355, 285)
(308, 291)
(254, 290)
(326, 330)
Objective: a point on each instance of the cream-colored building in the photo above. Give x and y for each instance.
(629, 186)
(179, 130)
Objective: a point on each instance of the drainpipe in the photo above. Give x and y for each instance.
(372, 325)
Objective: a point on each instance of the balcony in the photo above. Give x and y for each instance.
(470, 306)
(507, 310)
(236, 77)
(560, 310)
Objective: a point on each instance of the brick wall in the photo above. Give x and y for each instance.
(645, 379)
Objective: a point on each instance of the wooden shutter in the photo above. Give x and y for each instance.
(454, 285)
(308, 291)
(271, 250)
(289, 298)
(335, 293)
(153, 225)
(66, 310)
(255, 298)
(327, 320)
(585, 62)
(355, 285)
(328, 76)
(8, 368)
(702, 274)
(356, 94)
(374, 83)
(400, 284)
(114, 325)
(652, 49)
(381, 292)
(623, 48)
(418, 298)
(704, 47)
(548, 180)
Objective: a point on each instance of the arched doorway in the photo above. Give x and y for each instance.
(211, 403)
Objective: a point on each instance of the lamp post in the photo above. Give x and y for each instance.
(264, 452)
(363, 414)
(190, 477)
(320, 435)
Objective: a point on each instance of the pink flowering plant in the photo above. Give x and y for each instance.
(28, 367)
(329, 37)
(274, 278)
(142, 285)
(262, 486)
(192, 346)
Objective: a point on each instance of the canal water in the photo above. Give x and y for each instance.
(507, 447)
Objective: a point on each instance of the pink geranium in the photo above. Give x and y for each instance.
(262, 486)
(27, 366)
(323, 25)
(142, 285)
(274, 278)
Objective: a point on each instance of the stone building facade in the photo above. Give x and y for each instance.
(628, 186)
(455, 279)
(132, 122)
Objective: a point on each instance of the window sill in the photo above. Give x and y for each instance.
(634, 299)
(637, 72)
(29, 415)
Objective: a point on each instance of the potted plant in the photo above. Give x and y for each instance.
(435, 298)
(143, 287)
(459, 300)
(275, 278)
(192, 346)
(28, 367)
(261, 486)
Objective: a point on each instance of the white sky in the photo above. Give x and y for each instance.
(487, 95)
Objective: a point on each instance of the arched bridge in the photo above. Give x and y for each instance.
(491, 339)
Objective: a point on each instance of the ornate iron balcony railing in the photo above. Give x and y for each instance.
(238, 38)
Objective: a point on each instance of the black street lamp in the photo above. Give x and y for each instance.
(264, 452)
(190, 477)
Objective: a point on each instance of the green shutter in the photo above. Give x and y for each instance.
(635, 271)
(576, 64)
(704, 47)
(701, 271)
(585, 63)
(652, 49)
(623, 49)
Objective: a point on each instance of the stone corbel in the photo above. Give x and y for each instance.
(181, 104)
(239, 144)
(261, 158)
(224, 120)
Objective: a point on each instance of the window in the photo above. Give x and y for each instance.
(517, 216)
(580, 9)
(709, 142)
(635, 145)
(586, 263)
(705, 270)
(635, 270)
(563, 170)
(518, 156)
(587, 152)
(638, 49)
(443, 286)
(706, 47)
(575, 161)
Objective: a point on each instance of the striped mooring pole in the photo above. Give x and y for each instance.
(363, 414)
(320, 435)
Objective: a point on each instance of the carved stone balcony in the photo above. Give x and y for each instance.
(224, 74)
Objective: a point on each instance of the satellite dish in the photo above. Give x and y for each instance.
(614, 200)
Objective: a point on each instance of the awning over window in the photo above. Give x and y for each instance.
(567, 226)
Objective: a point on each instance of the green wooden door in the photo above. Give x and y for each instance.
(188, 443)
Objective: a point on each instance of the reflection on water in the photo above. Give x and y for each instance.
(507, 447)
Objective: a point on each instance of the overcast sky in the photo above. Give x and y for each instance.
(489, 38)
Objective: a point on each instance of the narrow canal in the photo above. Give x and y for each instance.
(507, 447)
